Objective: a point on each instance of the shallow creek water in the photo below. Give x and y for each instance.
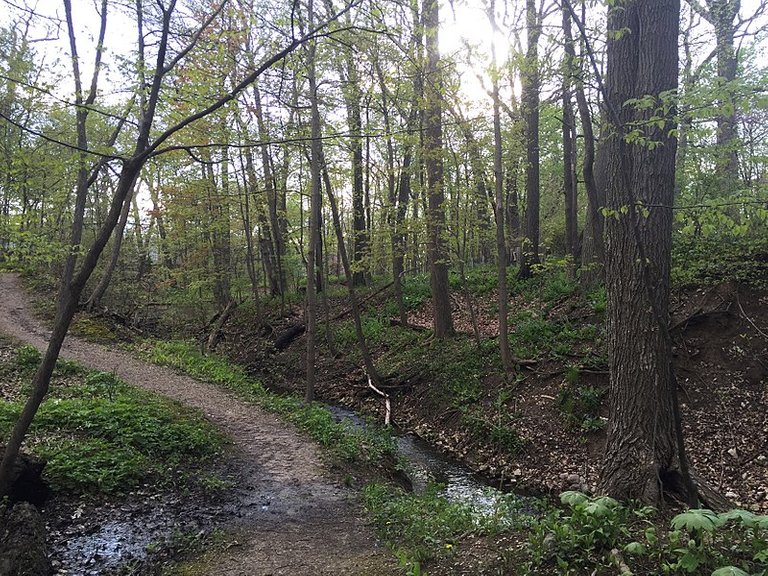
(91, 540)
(426, 466)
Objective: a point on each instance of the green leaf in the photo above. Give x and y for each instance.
(697, 519)
(729, 571)
(635, 548)
(573, 498)
(746, 517)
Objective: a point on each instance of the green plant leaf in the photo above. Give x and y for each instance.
(697, 519)
(635, 548)
(573, 498)
(729, 571)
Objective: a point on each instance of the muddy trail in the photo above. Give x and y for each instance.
(300, 521)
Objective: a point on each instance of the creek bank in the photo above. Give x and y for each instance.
(542, 431)
(426, 467)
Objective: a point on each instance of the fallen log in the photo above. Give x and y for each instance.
(286, 338)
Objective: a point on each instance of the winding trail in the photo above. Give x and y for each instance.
(312, 526)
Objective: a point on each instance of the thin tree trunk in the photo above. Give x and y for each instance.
(501, 245)
(101, 288)
(370, 368)
(314, 224)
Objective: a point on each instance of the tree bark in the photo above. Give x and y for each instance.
(442, 321)
(101, 288)
(314, 224)
(501, 245)
(644, 453)
(569, 144)
(530, 104)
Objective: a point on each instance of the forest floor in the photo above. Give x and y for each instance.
(541, 430)
(300, 518)
(454, 396)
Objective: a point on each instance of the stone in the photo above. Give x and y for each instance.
(574, 480)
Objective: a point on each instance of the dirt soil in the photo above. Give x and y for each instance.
(304, 522)
(721, 360)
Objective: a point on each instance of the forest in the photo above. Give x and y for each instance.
(378, 287)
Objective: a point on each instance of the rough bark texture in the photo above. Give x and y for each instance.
(722, 14)
(501, 244)
(433, 144)
(642, 450)
(530, 104)
(22, 542)
(569, 144)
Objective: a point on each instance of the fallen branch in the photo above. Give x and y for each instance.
(286, 338)
(215, 335)
(387, 405)
(363, 301)
(710, 497)
(748, 319)
(697, 316)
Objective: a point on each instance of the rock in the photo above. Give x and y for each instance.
(731, 495)
(22, 542)
(517, 473)
(574, 479)
(733, 453)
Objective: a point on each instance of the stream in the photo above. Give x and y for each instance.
(112, 537)
(428, 466)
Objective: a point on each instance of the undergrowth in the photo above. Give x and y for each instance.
(367, 444)
(420, 528)
(585, 535)
(600, 536)
(97, 433)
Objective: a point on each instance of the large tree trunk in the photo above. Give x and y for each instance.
(722, 14)
(530, 105)
(644, 453)
(442, 320)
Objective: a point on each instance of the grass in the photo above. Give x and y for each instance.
(99, 434)
(423, 527)
(368, 444)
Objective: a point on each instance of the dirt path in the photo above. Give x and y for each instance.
(311, 526)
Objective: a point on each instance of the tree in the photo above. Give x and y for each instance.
(501, 244)
(442, 320)
(644, 450)
(530, 104)
(570, 191)
(147, 142)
